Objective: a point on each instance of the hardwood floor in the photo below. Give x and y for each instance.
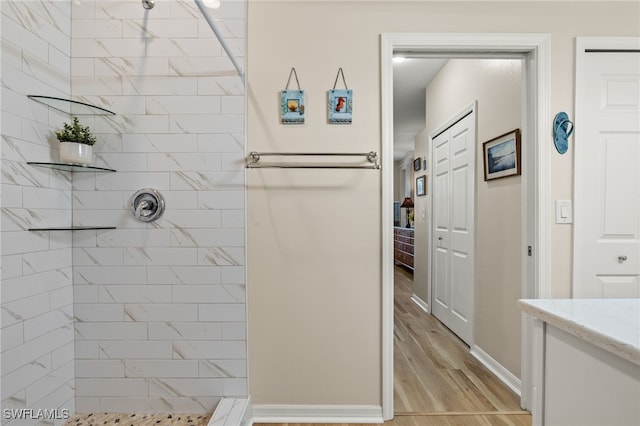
(436, 380)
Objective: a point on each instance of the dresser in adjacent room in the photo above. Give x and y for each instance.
(403, 246)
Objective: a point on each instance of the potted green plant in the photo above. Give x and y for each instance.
(76, 142)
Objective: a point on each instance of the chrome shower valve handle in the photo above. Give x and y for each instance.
(147, 205)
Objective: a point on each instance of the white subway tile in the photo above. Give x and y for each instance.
(145, 237)
(97, 86)
(30, 285)
(190, 219)
(122, 162)
(206, 123)
(221, 312)
(46, 323)
(61, 297)
(86, 368)
(233, 105)
(112, 200)
(85, 293)
(24, 309)
(110, 275)
(160, 143)
(194, 237)
(56, 381)
(173, 162)
(11, 196)
(87, 312)
(222, 256)
(207, 181)
(111, 387)
(91, 404)
(212, 142)
(87, 238)
(195, 66)
(223, 368)
(11, 265)
(42, 261)
(135, 349)
(160, 86)
(160, 28)
(223, 86)
(28, 41)
(206, 349)
(185, 331)
(82, 67)
(110, 331)
(132, 181)
(221, 199)
(234, 331)
(161, 368)
(185, 387)
(135, 294)
(184, 274)
(96, 28)
(86, 349)
(26, 375)
(232, 219)
(153, 256)
(207, 294)
(183, 105)
(161, 312)
(62, 356)
(235, 387)
(109, 9)
(19, 356)
(97, 256)
(12, 336)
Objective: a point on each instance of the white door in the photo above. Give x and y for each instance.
(607, 174)
(453, 277)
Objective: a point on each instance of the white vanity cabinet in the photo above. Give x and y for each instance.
(586, 361)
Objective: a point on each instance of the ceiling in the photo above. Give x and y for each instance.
(410, 79)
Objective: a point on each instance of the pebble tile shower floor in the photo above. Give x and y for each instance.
(127, 419)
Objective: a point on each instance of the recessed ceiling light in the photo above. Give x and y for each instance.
(399, 59)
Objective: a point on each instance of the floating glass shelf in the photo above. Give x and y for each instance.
(71, 107)
(70, 167)
(72, 228)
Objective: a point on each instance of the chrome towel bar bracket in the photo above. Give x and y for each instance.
(254, 157)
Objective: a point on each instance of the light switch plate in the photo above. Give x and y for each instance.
(564, 211)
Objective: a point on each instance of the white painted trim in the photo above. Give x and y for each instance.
(421, 303)
(498, 369)
(537, 48)
(317, 413)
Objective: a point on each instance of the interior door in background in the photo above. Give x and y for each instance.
(607, 174)
(453, 278)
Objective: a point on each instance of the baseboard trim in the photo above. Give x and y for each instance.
(421, 303)
(496, 368)
(268, 413)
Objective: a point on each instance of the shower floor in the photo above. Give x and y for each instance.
(127, 419)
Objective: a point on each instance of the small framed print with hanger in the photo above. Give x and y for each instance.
(340, 103)
(292, 103)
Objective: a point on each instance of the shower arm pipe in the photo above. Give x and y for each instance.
(223, 42)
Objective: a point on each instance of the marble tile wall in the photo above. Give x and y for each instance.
(36, 296)
(160, 308)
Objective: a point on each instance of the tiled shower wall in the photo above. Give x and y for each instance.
(36, 294)
(160, 308)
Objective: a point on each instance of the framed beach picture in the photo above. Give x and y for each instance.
(292, 107)
(340, 106)
(502, 156)
(421, 186)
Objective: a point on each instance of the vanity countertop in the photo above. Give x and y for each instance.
(611, 324)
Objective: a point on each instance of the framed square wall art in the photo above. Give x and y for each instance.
(416, 164)
(292, 107)
(502, 156)
(340, 105)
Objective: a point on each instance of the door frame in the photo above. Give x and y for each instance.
(536, 269)
(582, 44)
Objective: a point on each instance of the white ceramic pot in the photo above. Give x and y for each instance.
(75, 153)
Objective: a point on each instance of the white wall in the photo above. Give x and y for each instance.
(36, 293)
(160, 308)
(313, 277)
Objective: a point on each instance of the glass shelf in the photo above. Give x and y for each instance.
(71, 107)
(70, 167)
(73, 228)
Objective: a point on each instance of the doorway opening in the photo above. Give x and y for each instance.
(535, 233)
